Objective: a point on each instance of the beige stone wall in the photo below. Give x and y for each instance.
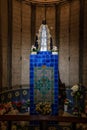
(21, 43)
(69, 43)
(4, 40)
(16, 44)
(40, 15)
(74, 42)
(64, 44)
(51, 20)
(85, 45)
(26, 43)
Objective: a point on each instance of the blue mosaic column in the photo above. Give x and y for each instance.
(44, 80)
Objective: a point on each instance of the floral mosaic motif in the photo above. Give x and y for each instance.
(17, 93)
(43, 84)
(24, 92)
(9, 95)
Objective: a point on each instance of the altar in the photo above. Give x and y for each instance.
(44, 72)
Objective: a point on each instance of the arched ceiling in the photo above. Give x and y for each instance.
(44, 1)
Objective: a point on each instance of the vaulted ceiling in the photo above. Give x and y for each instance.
(44, 1)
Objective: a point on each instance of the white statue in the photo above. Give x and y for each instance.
(44, 37)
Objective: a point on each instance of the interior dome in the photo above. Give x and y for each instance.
(44, 1)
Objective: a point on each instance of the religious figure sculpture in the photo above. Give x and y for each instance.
(43, 40)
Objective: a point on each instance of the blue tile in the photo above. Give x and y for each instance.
(44, 58)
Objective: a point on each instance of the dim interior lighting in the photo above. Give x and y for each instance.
(42, 1)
